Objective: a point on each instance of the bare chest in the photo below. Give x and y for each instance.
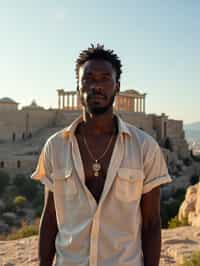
(96, 149)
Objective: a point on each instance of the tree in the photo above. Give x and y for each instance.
(20, 201)
(4, 181)
(26, 187)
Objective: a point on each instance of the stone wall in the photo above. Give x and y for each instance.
(20, 166)
(174, 128)
(8, 107)
(40, 121)
(140, 120)
(31, 121)
(176, 136)
(24, 121)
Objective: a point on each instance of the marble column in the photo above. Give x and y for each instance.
(72, 101)
(59, 102)
(62, 101)
(136, 104)
(144, 107)
(133, 105)
(67, 100)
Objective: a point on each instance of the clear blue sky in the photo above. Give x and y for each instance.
(157, 41)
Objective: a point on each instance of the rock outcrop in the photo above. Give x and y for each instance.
(190, 208)
(179, 243)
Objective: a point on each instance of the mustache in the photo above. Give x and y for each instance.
(93, 94)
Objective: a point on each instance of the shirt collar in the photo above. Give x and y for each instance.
(122, 126)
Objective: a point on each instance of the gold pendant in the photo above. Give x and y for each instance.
(96, 168)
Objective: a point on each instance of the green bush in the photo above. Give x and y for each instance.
(187, 161)
(20, 201)
(38, 200)
(38, 211)
(26, 230)
(169, 209)
(193, 261)
(10, 207)
(194, 179)
(25, 186)
(4, 181)
(174, 222)
(180, 194)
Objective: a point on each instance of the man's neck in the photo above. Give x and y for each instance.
(99, 124)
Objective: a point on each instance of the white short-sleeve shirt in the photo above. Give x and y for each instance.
(107, 233)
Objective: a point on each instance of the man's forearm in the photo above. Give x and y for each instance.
(47, 238)
(151, 244)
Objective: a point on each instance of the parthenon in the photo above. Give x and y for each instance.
(129, 100)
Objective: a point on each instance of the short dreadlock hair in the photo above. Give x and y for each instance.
(98, 52)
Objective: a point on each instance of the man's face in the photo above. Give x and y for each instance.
(97, 86)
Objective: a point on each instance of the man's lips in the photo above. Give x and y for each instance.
(96, 97)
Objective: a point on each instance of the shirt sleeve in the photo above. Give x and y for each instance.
(44, 168)
(155, 168)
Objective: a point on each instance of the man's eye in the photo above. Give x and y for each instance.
(87, 79)
(106, 77)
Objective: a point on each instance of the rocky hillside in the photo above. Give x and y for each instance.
(176, 243)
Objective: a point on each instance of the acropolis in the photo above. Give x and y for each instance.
(23, 132)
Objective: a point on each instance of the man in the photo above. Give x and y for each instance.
(102, 178)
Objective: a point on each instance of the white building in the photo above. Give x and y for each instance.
(7, 104)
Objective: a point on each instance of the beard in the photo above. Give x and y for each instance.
(98, 110)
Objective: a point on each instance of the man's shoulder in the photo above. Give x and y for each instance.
(57, 137)
(142, 137)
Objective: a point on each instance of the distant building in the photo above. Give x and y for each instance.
(8, 104)
(33, 107)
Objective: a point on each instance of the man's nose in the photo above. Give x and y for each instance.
(96, 87)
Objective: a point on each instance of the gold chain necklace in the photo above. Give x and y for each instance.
(96, 166)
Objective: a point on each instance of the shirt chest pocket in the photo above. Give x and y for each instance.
(129, 184)
(64, 184)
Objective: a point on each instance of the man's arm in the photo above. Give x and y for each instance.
(48, 231)
(151, 229)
